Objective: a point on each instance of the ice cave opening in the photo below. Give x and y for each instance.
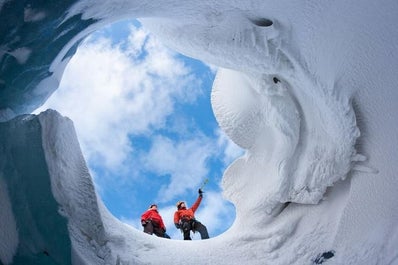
(138, 80)
(289, 84)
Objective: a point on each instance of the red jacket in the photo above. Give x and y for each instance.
(154, 216)
(184, 213)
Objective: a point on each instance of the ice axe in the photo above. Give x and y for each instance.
(204, 184)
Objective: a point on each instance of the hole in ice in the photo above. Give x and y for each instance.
(145, 124)
(323, 257)
(262, 22)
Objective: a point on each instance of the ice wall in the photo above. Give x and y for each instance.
(37, 41)
(310, 92)
(34, 226)
(50, 212)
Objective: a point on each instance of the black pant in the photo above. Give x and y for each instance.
(152, 228)
(194, 225)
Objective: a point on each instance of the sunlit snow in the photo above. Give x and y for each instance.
(308, 89)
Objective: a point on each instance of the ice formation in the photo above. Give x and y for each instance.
(308, 89)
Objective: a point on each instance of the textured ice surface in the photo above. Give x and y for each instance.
(308, 89)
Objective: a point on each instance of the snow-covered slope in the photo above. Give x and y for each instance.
(307, 88)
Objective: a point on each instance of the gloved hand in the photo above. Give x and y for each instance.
(200, 193)
(143, 222)
(178, 226)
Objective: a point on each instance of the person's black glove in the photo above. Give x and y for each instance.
(178, 226)
(143, 222)
(200, 193)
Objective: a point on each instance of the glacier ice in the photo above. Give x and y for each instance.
(308, 89)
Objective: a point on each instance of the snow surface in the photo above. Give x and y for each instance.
(307, 88)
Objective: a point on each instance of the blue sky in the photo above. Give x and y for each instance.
(144, 120)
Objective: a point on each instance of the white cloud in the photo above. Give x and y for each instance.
(184, 161)
(136, 41)
(110, 95)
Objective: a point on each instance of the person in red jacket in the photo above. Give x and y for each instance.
(153, 222)
(184, 219)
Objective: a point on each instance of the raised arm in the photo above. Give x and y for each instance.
(197, 203)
